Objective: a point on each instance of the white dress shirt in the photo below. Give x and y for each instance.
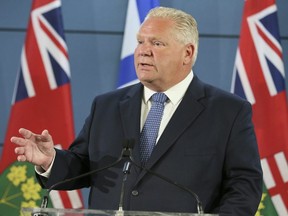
(175, 95)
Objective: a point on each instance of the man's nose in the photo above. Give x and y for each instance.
(145, 50)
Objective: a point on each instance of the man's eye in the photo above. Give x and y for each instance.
(157, 43)
(140, 42)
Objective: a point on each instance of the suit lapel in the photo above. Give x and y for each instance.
(188, 110)
(130, 111)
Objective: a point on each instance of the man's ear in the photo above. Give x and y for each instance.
(189, 53)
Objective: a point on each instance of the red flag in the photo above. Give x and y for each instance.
(42, 100)
(259, 77)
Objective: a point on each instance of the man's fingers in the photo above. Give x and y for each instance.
(18, 141)
(20, 150)
(26, 133)
(22, 154)
(46, 135)
(41, 138)
(21, 158)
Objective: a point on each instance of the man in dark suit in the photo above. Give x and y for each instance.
(205, 140)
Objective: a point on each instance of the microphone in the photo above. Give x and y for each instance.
(126, 152)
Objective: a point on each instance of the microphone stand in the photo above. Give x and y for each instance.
(126, 171)
(126, 153)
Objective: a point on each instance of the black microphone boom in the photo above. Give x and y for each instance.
(45, 200)
(130, 145)
(199, 203)
(182, 187)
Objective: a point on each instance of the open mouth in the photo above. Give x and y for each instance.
(146, 64)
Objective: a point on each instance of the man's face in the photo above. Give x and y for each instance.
(160, 60)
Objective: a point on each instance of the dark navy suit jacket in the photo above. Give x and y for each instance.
(209, 146)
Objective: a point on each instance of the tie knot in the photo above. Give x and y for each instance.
(159, 97)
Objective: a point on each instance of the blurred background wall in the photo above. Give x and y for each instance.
(94, 33)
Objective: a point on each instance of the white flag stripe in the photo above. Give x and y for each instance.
(279, 205)
(274, 58)
(253, 22)
(129, 83)
(56, 199)
(58, 146)
(35, 17)
(45, 9)
(57, 55)
(243, 77)
(26, 74)
(282, 165)
(131, 29)
(264, 50)
(267, 174)
(265, 13)
(45, 44)
(73, 195)
(74, 199)
(54, 50)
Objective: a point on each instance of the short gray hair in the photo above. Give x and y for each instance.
(185, 24)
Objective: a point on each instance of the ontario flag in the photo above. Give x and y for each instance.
(41, 100)
(259, 77)
(136, 12)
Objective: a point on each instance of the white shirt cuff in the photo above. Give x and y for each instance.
(40, 171)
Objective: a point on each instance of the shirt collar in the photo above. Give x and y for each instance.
(175, 93)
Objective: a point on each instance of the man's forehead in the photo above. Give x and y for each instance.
(156, 24)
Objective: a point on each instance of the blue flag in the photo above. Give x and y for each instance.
(136, 12)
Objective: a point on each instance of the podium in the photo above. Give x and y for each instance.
(93, 212)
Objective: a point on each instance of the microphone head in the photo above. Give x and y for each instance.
(128, 145)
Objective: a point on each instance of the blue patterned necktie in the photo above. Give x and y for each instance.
(150, 129)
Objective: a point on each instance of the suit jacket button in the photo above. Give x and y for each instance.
(135, 193)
